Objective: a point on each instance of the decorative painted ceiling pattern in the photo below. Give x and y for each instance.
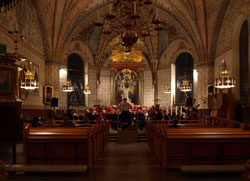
(193, 20)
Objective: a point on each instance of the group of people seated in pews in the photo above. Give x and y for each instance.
(121, 116)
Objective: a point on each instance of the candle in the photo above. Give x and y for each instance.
(171, 110)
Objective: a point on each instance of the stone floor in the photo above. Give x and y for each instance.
(131, 162)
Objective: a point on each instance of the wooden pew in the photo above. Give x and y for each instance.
(62, 145)
(204, 146)
(155, 130)
(178, 146)
(193, 121)
(3, 174)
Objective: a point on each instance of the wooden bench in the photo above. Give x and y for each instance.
(46, 168)
(76, 145)
(212, 168)
(3, 174)
(204, 146)
(198, 144)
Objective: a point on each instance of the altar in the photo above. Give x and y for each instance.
(127, 82)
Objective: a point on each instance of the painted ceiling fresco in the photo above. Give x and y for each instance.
(195, 21)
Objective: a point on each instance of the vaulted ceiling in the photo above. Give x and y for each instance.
(195, 21)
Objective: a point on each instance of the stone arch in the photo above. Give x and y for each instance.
(80, 48)
(174, 49)
(236, 52)
(184, 62)
(77, 76)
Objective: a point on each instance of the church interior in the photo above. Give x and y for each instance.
(124, 89)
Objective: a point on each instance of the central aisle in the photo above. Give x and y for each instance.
(127, 162)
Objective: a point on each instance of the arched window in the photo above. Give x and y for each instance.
(184, 68)
(244, 62)
(75, 73)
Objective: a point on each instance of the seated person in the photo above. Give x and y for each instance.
(175, 123)
(69, 112)
(36, 122)
(158, 115)
(50, 122)
(90, 115)
(67, 123)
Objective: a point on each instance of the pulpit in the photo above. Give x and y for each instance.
(10, 124)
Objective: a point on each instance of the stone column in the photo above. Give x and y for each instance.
(62, 80)
(141, 86)
(205, 78)
(112, 86)
(52, 78)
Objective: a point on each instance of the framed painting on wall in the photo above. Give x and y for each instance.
(47, 94)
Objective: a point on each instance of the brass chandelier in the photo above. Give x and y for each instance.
(224, 81)
(68, 87)
(86, 90)
(132, 19)
(167, 89)
(185, 86)
(29, 81)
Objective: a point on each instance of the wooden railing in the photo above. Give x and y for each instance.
(218, 121)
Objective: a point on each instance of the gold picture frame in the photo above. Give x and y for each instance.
(47, 94)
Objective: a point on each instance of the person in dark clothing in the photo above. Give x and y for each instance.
(125, 115)
(36, 122)
(158, 115)
(175, 124)
(141, 120)
(69, 112)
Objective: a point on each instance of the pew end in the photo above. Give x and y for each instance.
(3, 174)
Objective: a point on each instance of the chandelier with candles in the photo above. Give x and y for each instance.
(29, 81)
(224, 81)
(185, 86)
(68, 87)
(87, 90)
(167, 89)
(132, 19)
